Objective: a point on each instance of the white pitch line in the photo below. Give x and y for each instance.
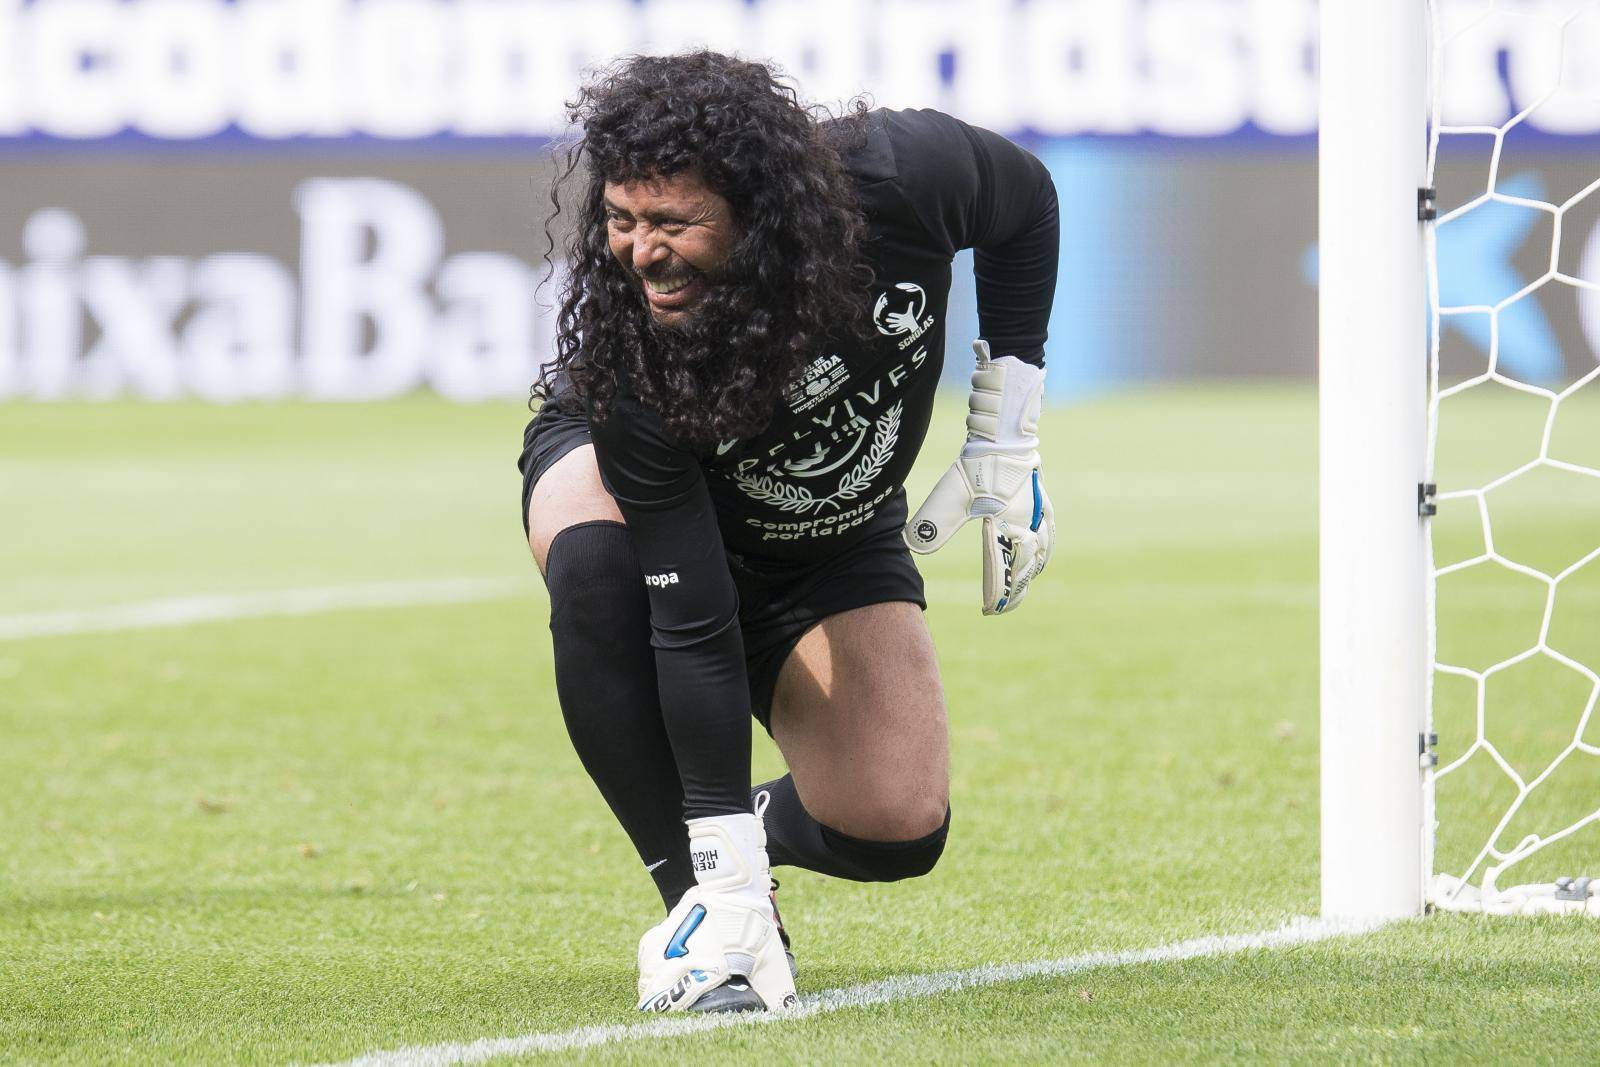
(888, 990)
(187, 611)
(191, 610)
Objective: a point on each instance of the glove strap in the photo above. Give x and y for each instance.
(1003, 409)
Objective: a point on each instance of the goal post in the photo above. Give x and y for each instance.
(1373, 451)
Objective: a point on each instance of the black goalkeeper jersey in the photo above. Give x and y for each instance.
(833, 461)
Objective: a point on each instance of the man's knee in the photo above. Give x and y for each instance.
(567, 496)
(890, 861)
(909, 808)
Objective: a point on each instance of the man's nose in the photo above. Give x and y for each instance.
(648, 250)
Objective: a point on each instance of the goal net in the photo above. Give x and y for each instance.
(1512, 491)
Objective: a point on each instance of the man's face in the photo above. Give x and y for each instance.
(674, 235)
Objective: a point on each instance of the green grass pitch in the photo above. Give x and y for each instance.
(299, 839)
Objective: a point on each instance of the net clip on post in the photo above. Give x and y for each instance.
(1426, 756)
(1427, 204)
(1573, 888)
(1426, 507)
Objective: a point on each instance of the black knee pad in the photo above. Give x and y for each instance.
(599, 618)
(890, 861)
(593, 562)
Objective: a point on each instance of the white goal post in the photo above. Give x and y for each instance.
(1373, 444)
(1380, 391)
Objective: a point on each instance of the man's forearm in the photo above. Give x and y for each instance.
(1016, 255)
(1017, 285)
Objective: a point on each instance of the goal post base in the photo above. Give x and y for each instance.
(1569, 896)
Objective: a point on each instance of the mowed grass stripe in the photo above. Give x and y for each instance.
(191, 610)
(199, 609)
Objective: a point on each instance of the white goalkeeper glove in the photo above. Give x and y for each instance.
(996, 480)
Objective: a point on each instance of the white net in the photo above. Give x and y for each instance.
(1513, 796)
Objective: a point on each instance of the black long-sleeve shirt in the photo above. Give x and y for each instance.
(832, 463)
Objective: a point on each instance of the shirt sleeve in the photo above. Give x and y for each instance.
(974, 189)
(661, 491)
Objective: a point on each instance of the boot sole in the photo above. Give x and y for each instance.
(725, 1000)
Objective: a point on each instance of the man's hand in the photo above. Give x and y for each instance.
(996, 479)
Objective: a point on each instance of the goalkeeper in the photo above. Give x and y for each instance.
(747, 352)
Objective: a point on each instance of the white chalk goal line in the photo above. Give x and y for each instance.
(885, 991)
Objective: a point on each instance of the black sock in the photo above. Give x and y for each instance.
(795, 839)
(606, 681)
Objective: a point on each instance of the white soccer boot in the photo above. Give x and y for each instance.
(720, 950)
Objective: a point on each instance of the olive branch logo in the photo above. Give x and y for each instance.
(798, 499)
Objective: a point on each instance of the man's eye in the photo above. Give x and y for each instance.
(673, 229)
(619, 221)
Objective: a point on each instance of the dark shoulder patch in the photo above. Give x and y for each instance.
(872, 160)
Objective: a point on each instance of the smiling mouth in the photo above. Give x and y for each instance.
(668, 286)
(673, 293)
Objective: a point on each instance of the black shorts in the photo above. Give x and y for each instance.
(551, 434)
(778, 603)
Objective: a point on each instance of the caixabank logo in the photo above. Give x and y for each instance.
(372, 308)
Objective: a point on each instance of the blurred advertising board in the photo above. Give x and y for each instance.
(345, 199)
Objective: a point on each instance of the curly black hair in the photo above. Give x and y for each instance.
(795, 281)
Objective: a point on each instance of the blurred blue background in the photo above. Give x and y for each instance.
(334, 199)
